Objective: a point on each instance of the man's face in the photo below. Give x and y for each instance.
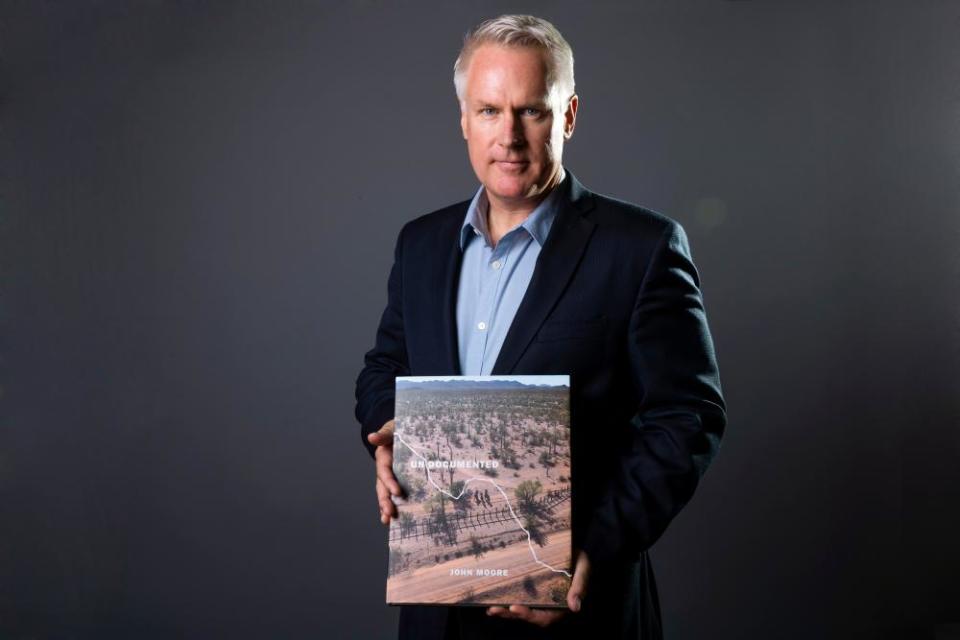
(514, 129)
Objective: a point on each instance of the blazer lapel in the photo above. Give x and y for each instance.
(453, 262)
(556, 264)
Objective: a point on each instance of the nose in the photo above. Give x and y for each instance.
(511, 130)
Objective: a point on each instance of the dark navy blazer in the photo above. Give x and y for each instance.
(615, 302)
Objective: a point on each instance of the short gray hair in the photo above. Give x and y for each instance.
(513, 30)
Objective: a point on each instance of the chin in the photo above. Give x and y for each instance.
(508, 187)
(511, 194)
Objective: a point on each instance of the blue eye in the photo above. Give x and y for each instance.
(531, 111)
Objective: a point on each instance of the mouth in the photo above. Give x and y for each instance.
(512, 165)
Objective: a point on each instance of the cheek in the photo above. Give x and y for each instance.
(478, 155)
(478, 141)
(548, 136)
(545, 146)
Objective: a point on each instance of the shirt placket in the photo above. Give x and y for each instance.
(493, 269)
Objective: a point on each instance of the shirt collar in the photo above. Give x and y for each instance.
(537, 223)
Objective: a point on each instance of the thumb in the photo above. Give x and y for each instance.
(578, 586)
(383, 436)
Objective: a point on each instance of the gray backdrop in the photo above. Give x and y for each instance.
(199, 205)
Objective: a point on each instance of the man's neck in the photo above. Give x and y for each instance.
(504, 216)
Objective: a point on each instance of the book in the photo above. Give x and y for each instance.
(484, 464)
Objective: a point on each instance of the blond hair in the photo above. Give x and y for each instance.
(513, 30)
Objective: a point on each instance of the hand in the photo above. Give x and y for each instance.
(546, 617)
(387, 484)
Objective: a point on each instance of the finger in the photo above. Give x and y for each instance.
(383, 457)
(383, 453)
(542, 617)
(384, 466)
(383, 436)
(385, 475)
(387, 508)
(520, 612)
(387, 505)
(539, 617)
(578, 586)
(499, 612)
(379, 439)
(381, 495)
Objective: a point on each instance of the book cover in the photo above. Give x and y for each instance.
(484, 463)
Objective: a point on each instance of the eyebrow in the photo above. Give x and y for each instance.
(529, 105)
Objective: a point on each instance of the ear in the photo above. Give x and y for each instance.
(570, 116)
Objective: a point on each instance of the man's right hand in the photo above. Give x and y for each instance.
(387, 484)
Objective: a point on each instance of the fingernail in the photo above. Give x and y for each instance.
(576, 604)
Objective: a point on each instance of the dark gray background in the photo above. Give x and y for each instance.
(199, 205)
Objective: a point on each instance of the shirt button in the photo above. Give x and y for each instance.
(496, 264)
(481, 325)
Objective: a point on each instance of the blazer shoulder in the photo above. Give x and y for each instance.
(430, 223)
(627, 218)
(429, 233)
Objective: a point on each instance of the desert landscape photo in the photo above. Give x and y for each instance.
(484, 462)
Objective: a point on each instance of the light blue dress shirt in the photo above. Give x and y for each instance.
(494, 280)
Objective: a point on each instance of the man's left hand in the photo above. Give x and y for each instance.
(546, 617)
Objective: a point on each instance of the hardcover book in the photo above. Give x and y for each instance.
(484, 464)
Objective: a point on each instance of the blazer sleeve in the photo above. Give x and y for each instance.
(387, 359)
(680, 419)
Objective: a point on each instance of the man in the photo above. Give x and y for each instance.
(537, 275)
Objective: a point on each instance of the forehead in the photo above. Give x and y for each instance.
(498, 71)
